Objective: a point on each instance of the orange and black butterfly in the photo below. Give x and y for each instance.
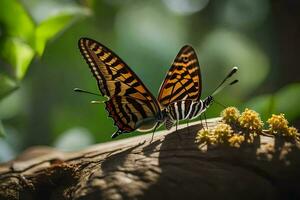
(181, 90)
(130, 103)
(182, 86)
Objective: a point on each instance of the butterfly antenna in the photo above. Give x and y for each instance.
(92, 93)
(84, 91)
(221, 86)
(220, 104)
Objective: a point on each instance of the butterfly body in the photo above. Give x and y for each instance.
(187, 110)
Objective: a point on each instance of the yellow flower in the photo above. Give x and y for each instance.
(230, 114)
(293, 133)
(206, 136)
(203, 136)
(236, 140)
(223, 132)
(219, 135)
(278, 124)
(250, 120)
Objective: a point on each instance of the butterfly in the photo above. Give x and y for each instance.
(189, 109)
(130, 104)
(182, 87)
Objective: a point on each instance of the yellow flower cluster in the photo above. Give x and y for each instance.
(279, 126)
(236, 140)
(206, 136)
(250, 120)
(237, 128)
(230, 115)
(221, 134)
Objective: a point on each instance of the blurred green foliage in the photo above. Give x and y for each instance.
(38, 106)
(286, 101)
(22, 37)
(2, 133)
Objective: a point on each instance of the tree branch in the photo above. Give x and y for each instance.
(173, 166)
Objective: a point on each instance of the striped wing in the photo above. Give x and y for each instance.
(130, 102)
(183, 80)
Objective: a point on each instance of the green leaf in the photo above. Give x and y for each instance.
(7, 85)
(287, 101)
(48, 29)
(15, 20)
(17, 29)
(18, 54)
(51, 26)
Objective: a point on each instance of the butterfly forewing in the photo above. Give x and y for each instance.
(130, 102)
(183, 80)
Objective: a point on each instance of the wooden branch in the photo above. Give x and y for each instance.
(173, 166)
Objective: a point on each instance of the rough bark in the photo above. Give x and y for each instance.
(171, 167)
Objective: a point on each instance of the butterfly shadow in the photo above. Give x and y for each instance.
(171, 150)
(114, 161)
(223, 172)
(174, 136)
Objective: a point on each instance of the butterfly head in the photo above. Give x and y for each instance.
(208, 101)
(162, 116)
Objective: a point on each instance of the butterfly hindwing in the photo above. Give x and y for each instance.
(130, 102)
(183, 80)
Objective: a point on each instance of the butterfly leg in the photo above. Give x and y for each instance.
(205, 120)
(177, 133)
(188, 126)
(154, 132)
(201, 121)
